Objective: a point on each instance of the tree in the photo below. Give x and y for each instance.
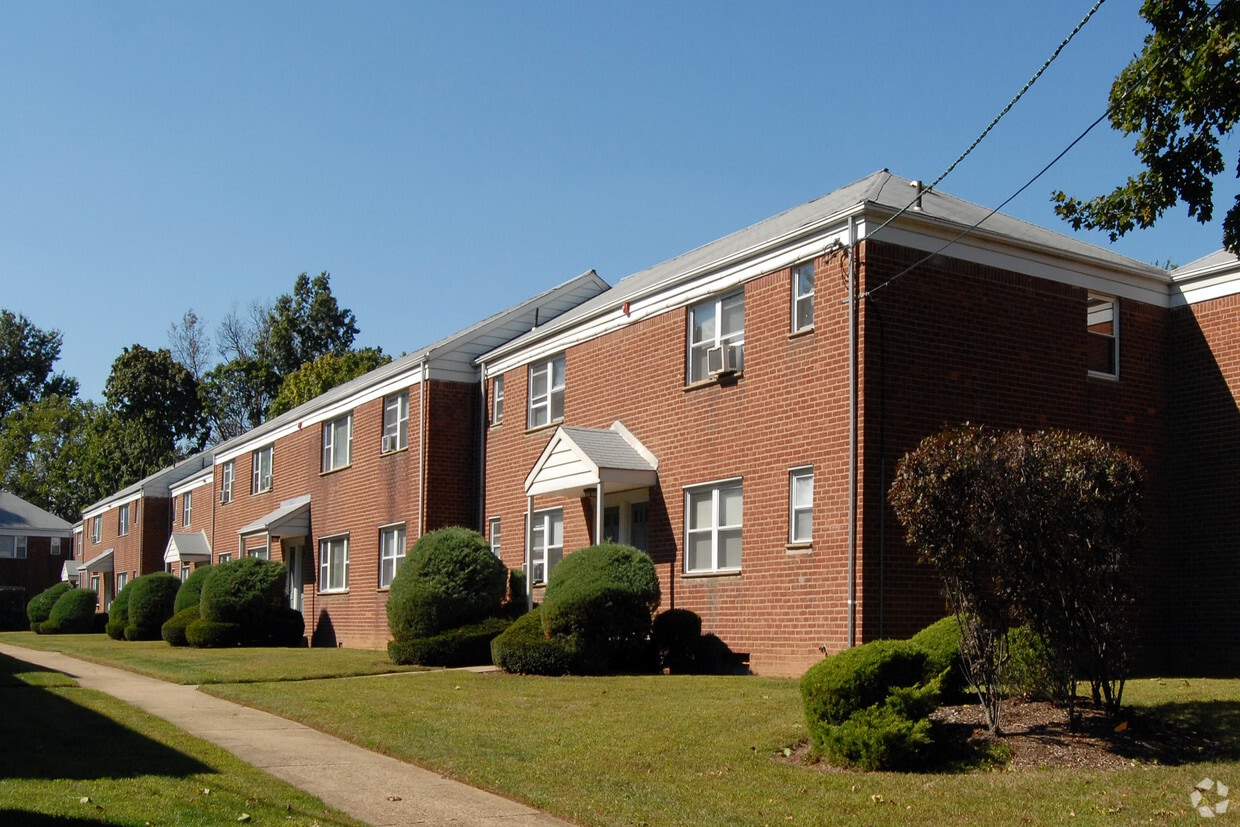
(1179, 97)
(27, 354)
(47, 455)
(190, 343)
(323, 374)
(235, 396)
(308, 324)
(158, 396)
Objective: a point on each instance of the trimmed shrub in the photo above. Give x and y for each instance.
(879, 738)
(463, 646)
(602, 598)
(191, 589)
(940, 642)
(676, 634)
(39, 609)
(213, 634)
(855, 679)
(101, 623)
(449, 579)
(118, 613)
(285, 627)
(1033, 671)
(244, 592)
(525, 649)
(73, 614)
(150, 604)
(174, 627)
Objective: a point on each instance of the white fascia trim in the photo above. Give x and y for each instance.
(1003, 253)
(1205, 287)
(686, 289)
(112, 506)
(204, 477)
(261, 438)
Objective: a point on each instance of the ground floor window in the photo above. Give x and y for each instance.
(13, 546)
(801, 505)
(334, 564)
(546, 543)
(261, 552)
(713, 527)
(391, 553)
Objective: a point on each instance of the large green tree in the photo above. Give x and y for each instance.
(47, 455)
(308, 324)
(1179, 98)
(236, 395)
(155, 403)
(27, 354)
(323, 374)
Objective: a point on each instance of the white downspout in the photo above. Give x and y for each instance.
(529, 553)
(598, 512)
(853, 392)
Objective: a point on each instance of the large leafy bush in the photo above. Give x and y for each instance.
(151, 598)
(39, 609)
(242, 602)
(449, 579)
(118, 613)
(73, 613)
(525, 649)
(190, 592)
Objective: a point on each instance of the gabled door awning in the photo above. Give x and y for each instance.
(101, 563)
(188, 547)
(579, 458)
(291, 519)
(71, 571)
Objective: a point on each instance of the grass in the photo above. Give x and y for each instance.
(74, 756)
(695, 750)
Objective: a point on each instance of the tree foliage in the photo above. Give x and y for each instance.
(150, 388)
(27, 354)
(307, 324)
(323, 374)
(236, 395)
(1178, 96)
(1028, 528)
(190, 343)
(47, 456)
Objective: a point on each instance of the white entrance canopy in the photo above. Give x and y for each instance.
(188, 547)
(71, 571)
(577, 459)
(291, 519)
(99, 564)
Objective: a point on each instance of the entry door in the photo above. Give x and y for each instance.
(294, 558)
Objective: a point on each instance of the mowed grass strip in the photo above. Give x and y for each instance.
(75, 756)
(187, 665)
(694, 750)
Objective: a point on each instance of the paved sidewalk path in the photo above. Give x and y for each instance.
(371, 787)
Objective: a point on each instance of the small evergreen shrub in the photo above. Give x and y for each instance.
(174, 627)
(449, 579)
(524, 649)
(879, 737)
(245, 592)
(213, 634)
(1033, 671)
(118, 613)
(676, 634)
(463, 646)
(39, 609)
(73, 613)
(940, 642)
(191, 589)
(151, 599)
(855, 679)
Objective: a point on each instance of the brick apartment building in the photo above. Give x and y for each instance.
(34, 546)
(735, 414)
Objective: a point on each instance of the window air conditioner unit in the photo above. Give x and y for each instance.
(386, 444)
(723, 360)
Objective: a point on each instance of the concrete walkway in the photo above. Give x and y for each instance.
(371, 787)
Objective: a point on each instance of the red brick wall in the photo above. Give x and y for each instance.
(39, 570)
(452, 421)
(141, 550)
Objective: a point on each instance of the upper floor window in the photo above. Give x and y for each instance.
(391, 553)
(395, 422)
(187, 507)
(337, 442)
(801, 505)
(716, 336)
(55, 546)
(713, 527)
(227, 472)
(1103, 327)
(13, 546)
(96, 529)
(261, 470)
(803, 297)
(334, 564)
(547, 392)
(122, 520)
(546, 542)
(497, 400)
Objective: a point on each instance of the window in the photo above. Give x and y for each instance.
(122, 578)
(337, 440)
(224, 558)
(96, 529)
(546, 392)
(395, 422)
(803, 297)
(391, 553)
(493, 533)
(334, 564)
(713, 527)
(226, 481)
(13, 546)
(187, 506)
(801, 505)
(497, 400)
(1103, 327)
(260, 470)
(122, 520)
(261, 552)
(55, 546)
(546, 543)
(184, 572)
(718, 322)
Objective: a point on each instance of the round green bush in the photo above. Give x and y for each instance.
(118, 613)
(212, 634)
(940, 642)
(39, 609)
(463, 646)
(73, 614)
(151, 599)
(524, 649)
(854, 679)
(191, 589)
(449, 579)
(174, 627)
(676, 633)
(246, 592)
(879, 738)
(602, 598)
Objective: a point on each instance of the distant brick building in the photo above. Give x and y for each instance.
(34, 545)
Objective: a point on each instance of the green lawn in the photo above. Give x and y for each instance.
(75, 756)
(698, 750)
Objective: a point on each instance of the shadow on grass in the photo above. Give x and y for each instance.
(45, 734)
(1184, 733)
(27, 819)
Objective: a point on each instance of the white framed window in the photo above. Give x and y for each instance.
(493, 535)
(227, 473)
(713, 527)
(497, 400)
(1103, 328)
(547, 392)
(225, 557)
(260, 470)
(803, 297)
(395, 422)
(261, 552)
(715, 323)
(122, 580)
(13, 546)
(337, 442)
(801, 505)
(187, 507)
(334, 564)
(184, 572)
(96, 529)
(55, 546)
(122, 520)
(546, 543)
(391, 553)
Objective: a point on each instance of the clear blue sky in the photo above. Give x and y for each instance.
(446, 160)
